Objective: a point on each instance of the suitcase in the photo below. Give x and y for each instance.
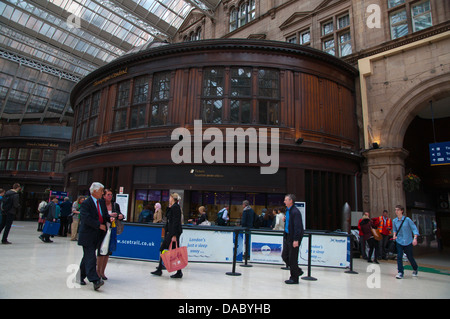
(51, 228)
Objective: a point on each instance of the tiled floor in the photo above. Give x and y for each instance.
(32, 269)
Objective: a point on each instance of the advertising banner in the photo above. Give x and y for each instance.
(210, 245)
(327, 250)
(139, 242)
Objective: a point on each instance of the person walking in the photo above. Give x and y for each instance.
(50, 214)
(404, 228)
(173, 230)
(92, 229)
(11, 204)
(293, 234)
(113, 210)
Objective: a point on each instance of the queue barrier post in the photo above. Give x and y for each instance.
(309, 277)
(247, 248)
(351, 271)
(236, 238)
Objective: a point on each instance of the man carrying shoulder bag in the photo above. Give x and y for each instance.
(404, 228)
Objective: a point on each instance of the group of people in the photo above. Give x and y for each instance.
(148, 215)
(376, 233)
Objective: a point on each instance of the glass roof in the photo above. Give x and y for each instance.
(46, 47)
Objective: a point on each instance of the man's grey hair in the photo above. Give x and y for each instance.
(95, 187)
(291, 197)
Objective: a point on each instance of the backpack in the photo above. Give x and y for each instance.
(220, 221)
(257, 221)
(7, 203)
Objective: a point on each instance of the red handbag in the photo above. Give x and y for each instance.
(175, 259)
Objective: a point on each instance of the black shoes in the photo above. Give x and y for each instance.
(98, 284)
(179, 274)
(291, 282)
(158, 272)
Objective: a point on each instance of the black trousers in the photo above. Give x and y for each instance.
(7, 220)
(88, 265)
(290, 257)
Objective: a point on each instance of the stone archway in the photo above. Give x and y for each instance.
(409, 105)
(385, 167)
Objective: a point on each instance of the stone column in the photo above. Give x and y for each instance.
(385, 170)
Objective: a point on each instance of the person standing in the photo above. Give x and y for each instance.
(157, 217)
(293, 234)
(173, 230)
(92, 229)
(11, 204)
(366, 226)
(362, 242)
(66, 210)
(76, 217)
(384, 227)
(404, 227)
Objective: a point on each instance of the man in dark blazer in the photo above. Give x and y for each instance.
(293, 233)
(93, 216)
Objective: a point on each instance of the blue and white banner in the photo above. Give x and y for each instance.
(326, 250)
(210, 245)
(139, 242)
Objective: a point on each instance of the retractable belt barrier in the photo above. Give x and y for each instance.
(226, 244)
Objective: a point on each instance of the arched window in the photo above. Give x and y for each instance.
(243, 14)
(233, 19)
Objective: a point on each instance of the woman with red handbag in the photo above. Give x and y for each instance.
(173, 232)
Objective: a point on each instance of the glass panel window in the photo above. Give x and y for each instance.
(35, 157)
(398, 24)
(120, 114)
(327, 28)
(268, 113)
(328, 46)
(268, 83)
(140, 90)
(123, 94)
(345, 46)
(241, 82)
(305, 37)
(160, 99)
(268, 96)
(233, 19)
(421, 16)
(394, 3)
(12, 155)
(22, 159)
(213, 82)
(343, 21)
(212, 111)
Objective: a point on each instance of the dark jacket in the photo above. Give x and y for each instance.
(173, 225)
(16, 201)
(66, 208)
(248, 216)
(366, 228)
(295, 226)
(51, 215)
(89, 230)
